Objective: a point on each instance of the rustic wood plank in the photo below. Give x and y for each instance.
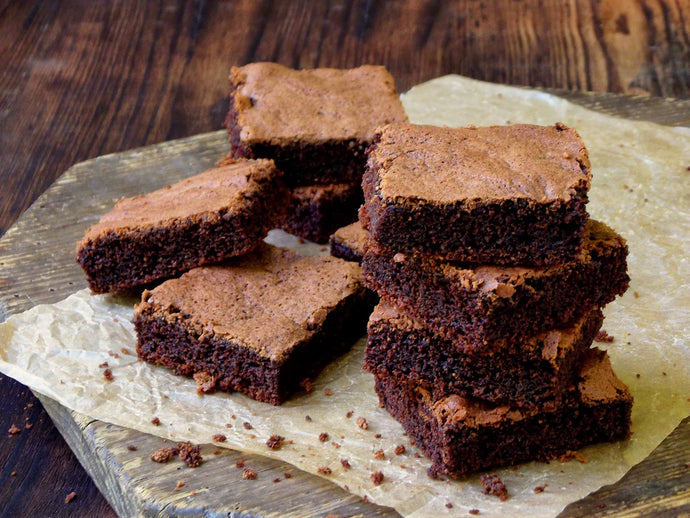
(112, 76)
(135, 486)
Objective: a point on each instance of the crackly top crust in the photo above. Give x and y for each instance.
(552, 345)
(226, 188)
(598, 385)
(501, 282)
(470, 164)
(280, 105)
(269, 300)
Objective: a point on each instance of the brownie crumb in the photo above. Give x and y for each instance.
(155, 421)
(13, 430)
(124, 351)
(70, 497)
(190, 454)
(219, 437)
(345, 463)
(540, 489)
(324, 470)
(349, 414)
(377, 477)
(275, 442)
(103, 365)
(449, 505)
(239, 463)
(248, 474)
(362, 423)
(636, 295)
(287, 474)
(323, 437)
(228, 425)
(379, 455)
(474, 511)
(163, 455)
(131, 447)
(307, 418)
(307, 385)
(114, 355)
(277, 479)
(328, 392)
(570, 455)
(400, 449)
(492, 485)
(28, 426)
(378, 435)
(247, 425)
(218, 452)
(601, 505)
(108, 375)
(179, 484)
(13, 474)
(205, 383)
(603, 336)
(335, 444)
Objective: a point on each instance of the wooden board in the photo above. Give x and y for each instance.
(37, 266)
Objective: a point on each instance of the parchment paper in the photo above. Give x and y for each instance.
(641, 188)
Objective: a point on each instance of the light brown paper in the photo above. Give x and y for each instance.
(641, 188)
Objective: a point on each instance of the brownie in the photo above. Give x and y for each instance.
(487, 195)
(537, 371)
(260, 324)
(316, 211)
(316, 124)
(463, 435)
(349, 242)
(221, 213)
(488, 307)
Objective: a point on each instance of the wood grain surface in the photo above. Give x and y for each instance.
(80, 79)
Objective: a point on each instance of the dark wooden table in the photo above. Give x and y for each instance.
(80, 79)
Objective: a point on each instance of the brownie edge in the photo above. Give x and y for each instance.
(512, 195)
(463, 435)
(260, 324)
(203, 219)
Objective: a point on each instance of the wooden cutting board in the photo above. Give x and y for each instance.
(37, 266)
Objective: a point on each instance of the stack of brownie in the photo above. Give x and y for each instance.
(316, 124)
(492, 278)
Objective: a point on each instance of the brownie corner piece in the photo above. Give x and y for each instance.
(488, 195)
(349, 242)
(220, 213)
(260, 324)
(315, 123)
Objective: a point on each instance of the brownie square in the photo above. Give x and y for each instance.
(316, 123)
(260, 324)
(348, 242)
(535, 372)
(463, 435)
(488, 195)
(203, 219)
(316, 211)
(486, 308)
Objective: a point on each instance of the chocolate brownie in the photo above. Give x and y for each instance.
(316, 124)
(537, 371)
(316, 211)
(463, 435)
(348, 242)
(488, 195)
(487, 307)
(203, 219)
(259, 324)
